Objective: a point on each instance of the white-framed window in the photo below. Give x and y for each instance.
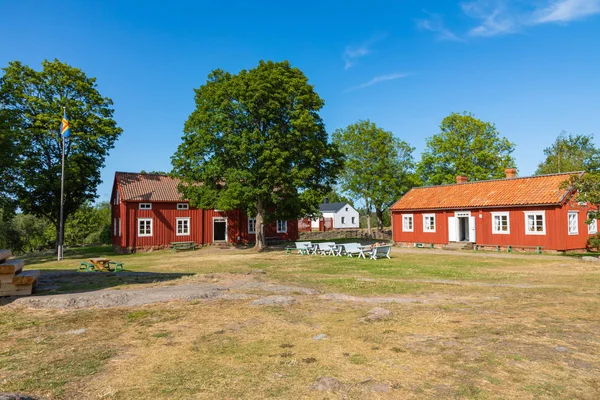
(114, 227)
(183, 206)
(500, 223)
(117, 198)
(346, 209)
(353, 219)
(251, 225)
(593, 226)
(535, 222)
(573, 222)
(343, 220)
(144, 226)
(145, 206)
(407, 223)
(183, 226)
(119, 226)
(428, 222)
(281, 226)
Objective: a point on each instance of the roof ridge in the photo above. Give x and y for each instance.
(500, 179)
(141, 173)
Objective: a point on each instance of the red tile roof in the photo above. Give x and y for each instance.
(512, 192)
(148, 187)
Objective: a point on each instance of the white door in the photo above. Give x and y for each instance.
(472, 229)
(452, 229)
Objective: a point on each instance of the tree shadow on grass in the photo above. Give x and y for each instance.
(68, 281)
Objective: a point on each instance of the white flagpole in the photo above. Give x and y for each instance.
(62, 196)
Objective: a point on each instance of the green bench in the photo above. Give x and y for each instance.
(479, 246)
(118, 266)
(183, 246)
(538, 249)
(86, 266)
(424, 245)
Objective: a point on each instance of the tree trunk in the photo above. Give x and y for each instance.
(368, 208)
(379, 214)
(260, 227)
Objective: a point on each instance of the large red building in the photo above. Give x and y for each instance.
(148, 211)
(517, 212)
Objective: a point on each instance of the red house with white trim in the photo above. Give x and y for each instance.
(148, 211)
(517, 212)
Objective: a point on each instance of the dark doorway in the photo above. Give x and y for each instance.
(463, 229)
(219, 230)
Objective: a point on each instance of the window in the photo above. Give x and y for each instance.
(183, 206)
(500, 223)
(145, 227)
(343, 220)
(573, 220)
(114, 227)
(183, 226)
(251, 225)
(346, 208)
(353, 219)
(535, 222)
(407, 222)
(428, 222)
(281, 226)
(592, 226)
(145, 206)
(119, 226)
(117, 199)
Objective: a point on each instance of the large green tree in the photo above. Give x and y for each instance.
(256, 142)
(465, 146)
(379, 167)
(35, 101)
(570, 153)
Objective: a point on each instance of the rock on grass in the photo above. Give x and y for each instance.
(377, 314)
(326, 384)
(274, 301)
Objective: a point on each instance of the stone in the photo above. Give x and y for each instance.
(377, 314)
(76, 331)
(380, 387)
(590, 259)
(320, 336)
(15, 396)
(274, 301)
(562, 349)
(326, 384)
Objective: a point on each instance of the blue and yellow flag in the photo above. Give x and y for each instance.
(64, 126)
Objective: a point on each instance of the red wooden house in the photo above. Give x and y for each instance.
(148, 211)
(517, 212)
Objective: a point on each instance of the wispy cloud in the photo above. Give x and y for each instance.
(435, 23)
(376, 80)
(353, 53)
(495, 17)
(567, 10)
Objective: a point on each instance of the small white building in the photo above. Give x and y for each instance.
(343, 215)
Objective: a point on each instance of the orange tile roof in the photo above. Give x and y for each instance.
(512, 192)
(148, 187)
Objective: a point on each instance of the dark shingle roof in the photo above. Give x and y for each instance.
(330, 207)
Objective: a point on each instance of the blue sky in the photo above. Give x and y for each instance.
(531, 67)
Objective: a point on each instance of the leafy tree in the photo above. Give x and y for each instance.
(257, 143)
(35, 233)
(334, 196)
(586, 190)
(36, 99)
(465, 146)
(379, 167)
(7, 160)
(570, 153)
(87, 223)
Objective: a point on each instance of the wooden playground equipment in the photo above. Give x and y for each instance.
(13, 280)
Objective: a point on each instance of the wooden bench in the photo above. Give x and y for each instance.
(379, 252)
(538, 249)
(424, 245)
(479, 246)
(183, 246)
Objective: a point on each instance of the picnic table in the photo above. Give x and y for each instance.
(100, 263)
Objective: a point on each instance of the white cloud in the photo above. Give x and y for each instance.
(352, 53)
(435, 24)
(567, 10)
(378, 79)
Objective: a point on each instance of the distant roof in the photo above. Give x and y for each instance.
(510, 192)
(148, 187)
(330, 207)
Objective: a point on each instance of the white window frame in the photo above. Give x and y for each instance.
(183, 206)
(576, 230)
(114, 227)
(188, 219)
(117, 198)
(343, 220)
(412, 223)
(151, 227)
(593, 227)
(253, 230)
(279, 228)
(543, 214)
(119, 226)
(426, 227)
(353, 220)
(145, 206)
(502, 214)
